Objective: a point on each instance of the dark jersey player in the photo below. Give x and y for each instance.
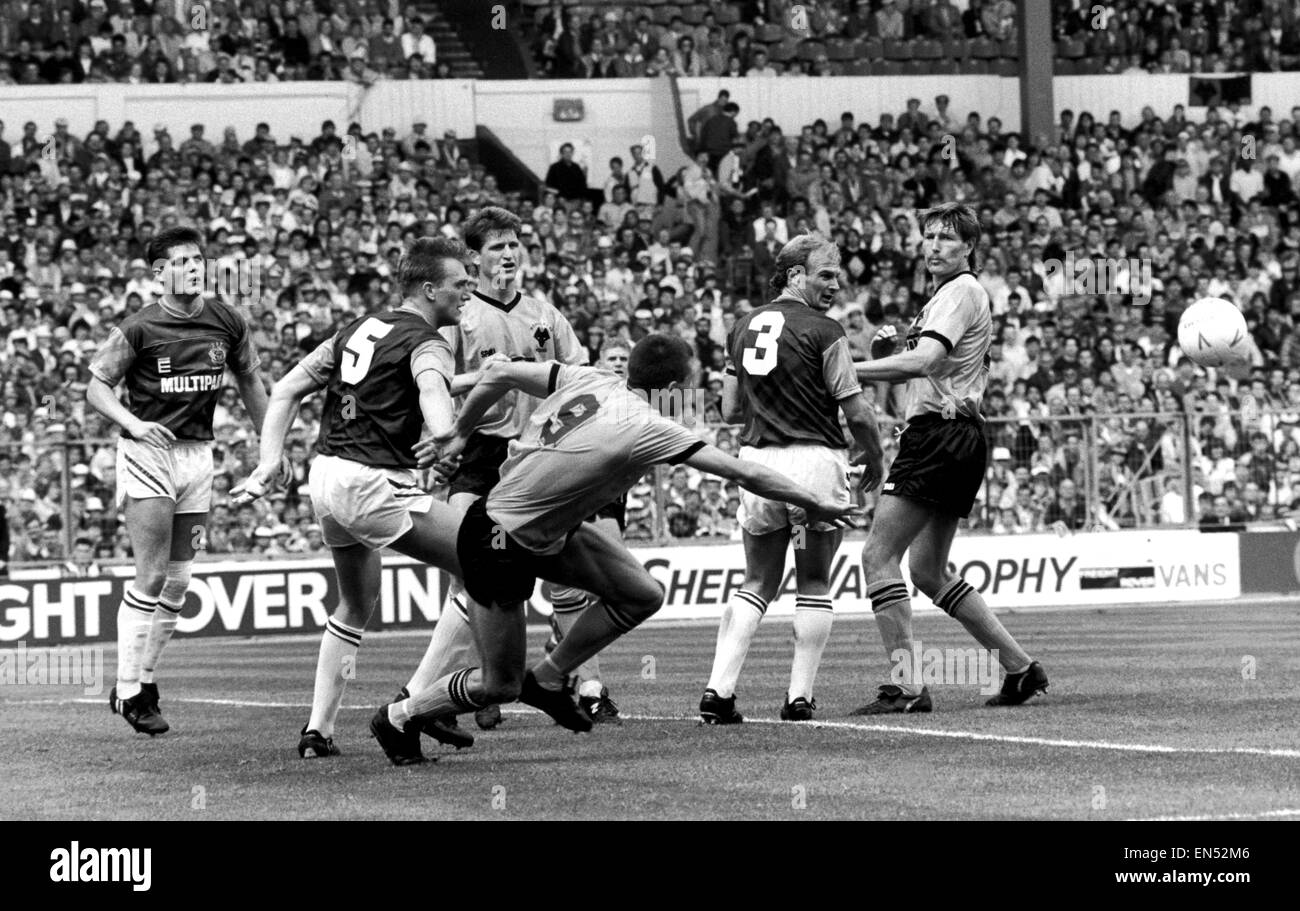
(789, 375)
(386, 376)
(172, 357)
(939, 468)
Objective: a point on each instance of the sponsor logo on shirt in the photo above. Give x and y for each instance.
(204, 382)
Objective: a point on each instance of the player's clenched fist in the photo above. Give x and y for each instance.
(884, 342)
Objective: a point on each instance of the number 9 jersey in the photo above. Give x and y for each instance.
(792, 366)
(372, 403)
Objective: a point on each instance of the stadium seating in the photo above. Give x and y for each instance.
(60, 294)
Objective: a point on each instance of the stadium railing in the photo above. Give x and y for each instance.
(1130, 471)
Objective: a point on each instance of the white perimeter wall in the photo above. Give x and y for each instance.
(617, 111)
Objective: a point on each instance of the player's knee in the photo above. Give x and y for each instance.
(176, 583)
(647, 599)
(150, 582)
(926, 576)
(877, 556)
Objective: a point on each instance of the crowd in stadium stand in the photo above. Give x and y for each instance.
(1073, 371)
(358, 41)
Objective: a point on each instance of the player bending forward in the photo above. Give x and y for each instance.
(567, 604)
(173, 356)
(385, 376)
(593, 437)
(940, 466)
(789, 375)
(498, 322)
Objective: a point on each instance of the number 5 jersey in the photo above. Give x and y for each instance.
(792, 365)
(585, 445)
(372, 403)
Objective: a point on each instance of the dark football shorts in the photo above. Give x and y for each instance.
(616, 510)
(496, 568)
(941, 463)
(480, 465)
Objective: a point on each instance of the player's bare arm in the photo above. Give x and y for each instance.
(278, 416)
(862, 425)
(920, 361)
(499, 378)
(463, 383)
(253, 393)
(768, 483)
(731, 410)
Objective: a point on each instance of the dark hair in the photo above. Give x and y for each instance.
(658, 361)
(161, 244)
(426, 261)
(488, 220)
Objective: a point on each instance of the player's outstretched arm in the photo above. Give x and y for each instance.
(462, 383)
(768, 483)
(906, 365)
(498, 378)
(286, 395)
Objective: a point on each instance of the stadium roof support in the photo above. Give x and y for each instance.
(1037, 117)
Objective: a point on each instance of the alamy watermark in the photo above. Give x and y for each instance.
(223, 277)
(62, 665)
(933, 666)
(1100, 275)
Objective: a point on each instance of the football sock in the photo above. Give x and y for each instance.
(892, 607)
(134, 625)
(160, 633)
(457, 692)
(740, 619)
(812, 629)
(450, 647)
(961, 602)
(567, 612)
(335, 666)
(595, 628)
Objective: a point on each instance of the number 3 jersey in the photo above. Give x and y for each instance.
(792, 366)
(372, 402)
(585, 445)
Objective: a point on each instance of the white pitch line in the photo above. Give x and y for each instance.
(1262, 814)
(974, 736)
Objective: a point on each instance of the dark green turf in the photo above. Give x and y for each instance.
(1168, 676)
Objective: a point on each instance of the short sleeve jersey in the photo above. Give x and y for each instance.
(523, 329)
(958, 316)
(585, 445)
(174, 364)
(792, 365)
(372, 402)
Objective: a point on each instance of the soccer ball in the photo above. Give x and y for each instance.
(1212, 332)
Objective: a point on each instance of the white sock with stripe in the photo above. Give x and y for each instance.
(568, 608)
(451, 647)
(165, 617)
(739, 622)
(134, 622)
(812, 629)
(335, 666)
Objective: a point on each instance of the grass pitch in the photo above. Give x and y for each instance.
(1149, 715)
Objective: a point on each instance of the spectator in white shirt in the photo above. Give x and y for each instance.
(416, 41)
